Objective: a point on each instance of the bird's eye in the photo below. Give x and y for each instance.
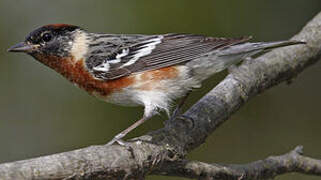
(46, 37)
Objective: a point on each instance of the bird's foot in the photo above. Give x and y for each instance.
(175, 113)
(118, 139)
(231, 68)
(179, 108)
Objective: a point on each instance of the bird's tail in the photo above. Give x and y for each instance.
(225, 57)
(249, 49)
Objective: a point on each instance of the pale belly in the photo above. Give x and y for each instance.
(149, 90)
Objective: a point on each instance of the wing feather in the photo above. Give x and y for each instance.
(162, 51)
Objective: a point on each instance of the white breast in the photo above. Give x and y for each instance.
(159, 96)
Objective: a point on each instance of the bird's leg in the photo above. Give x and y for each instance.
(179, 107)
(118, 137)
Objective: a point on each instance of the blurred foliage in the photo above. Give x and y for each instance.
(42, 113)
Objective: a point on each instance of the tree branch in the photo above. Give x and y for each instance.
(169, 145)
(293, 161)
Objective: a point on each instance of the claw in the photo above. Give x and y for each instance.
(175, 113)
(118, 139)
(178, 110)
(231, 68)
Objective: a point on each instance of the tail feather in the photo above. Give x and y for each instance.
(272, 45)
(250, 49)
(225, 57)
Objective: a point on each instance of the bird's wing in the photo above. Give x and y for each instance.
(159, 51)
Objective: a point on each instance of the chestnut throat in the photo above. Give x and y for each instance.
(76, 72)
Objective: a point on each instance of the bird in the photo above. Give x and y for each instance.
(136, 69)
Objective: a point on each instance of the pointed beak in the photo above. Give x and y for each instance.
(21, 47)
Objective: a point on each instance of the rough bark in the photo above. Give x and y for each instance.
(262, 169)
(162, 152)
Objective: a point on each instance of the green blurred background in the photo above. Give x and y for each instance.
(42, 113)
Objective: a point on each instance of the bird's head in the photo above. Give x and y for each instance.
(54, 41)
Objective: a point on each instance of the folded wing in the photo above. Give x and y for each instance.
(160, 51)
